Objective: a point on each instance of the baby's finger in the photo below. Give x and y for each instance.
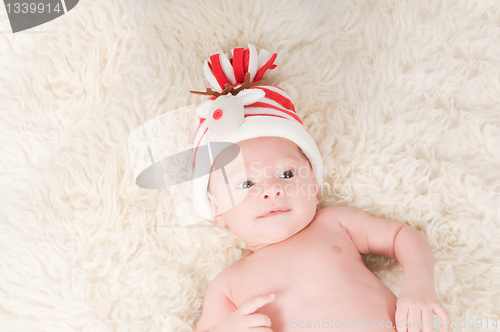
(261, 329)
(401, 318)
(441, 312)
(258, 320)
(414, 320)
(255, 303)
(427, 316)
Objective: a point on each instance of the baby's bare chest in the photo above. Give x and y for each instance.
(315, 275)
(310, 260)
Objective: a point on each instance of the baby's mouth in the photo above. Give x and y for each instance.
(274, 212)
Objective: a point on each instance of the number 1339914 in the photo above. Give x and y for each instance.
(32, 8)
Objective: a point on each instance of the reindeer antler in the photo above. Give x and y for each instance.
(229, 89)
(211, 92)
(246, 84)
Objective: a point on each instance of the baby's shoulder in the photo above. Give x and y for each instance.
(328, 217)
(230, 272)
(333, 219)
(222, 282)
(334, 213)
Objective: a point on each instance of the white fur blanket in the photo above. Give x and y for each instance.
(402, 97)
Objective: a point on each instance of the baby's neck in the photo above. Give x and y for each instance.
(253, 249)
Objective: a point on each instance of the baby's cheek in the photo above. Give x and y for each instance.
(239, 196)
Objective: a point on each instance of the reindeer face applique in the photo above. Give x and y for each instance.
(226, 113)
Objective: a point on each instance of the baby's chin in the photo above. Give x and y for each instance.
(279, 230)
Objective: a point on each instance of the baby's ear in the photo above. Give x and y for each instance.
(215, 209)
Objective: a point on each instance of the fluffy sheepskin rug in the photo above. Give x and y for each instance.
(402, 98)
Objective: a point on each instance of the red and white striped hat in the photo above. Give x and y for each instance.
(239, 110)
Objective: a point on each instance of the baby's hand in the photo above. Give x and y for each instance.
(418, 303)
(244, 319)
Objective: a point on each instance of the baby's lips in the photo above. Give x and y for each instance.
(275, 209)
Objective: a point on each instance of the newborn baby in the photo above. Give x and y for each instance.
(304, 266)
(303, 270)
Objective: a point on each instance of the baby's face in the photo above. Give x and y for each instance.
(276, 175)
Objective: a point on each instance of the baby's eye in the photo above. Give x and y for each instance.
(246, 184)
(287, 174)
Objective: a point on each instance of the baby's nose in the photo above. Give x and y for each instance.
(274, 190)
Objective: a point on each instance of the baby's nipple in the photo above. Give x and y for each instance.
(337, 250)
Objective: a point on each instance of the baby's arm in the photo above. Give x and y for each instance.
(417, 300)
(216, 305)
(221, 315)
